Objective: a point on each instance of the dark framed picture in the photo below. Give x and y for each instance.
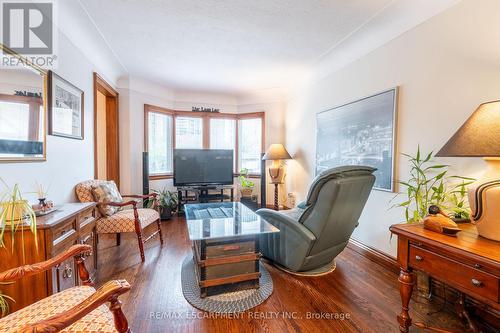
(362, 132)
(65, 108)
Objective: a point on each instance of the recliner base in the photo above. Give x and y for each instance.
(323, 270)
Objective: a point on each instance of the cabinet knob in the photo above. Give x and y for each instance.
(418, 258)
(476, 283)
(478, 266)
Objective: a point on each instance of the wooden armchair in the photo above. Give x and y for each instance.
(127, 220)
(78, 309)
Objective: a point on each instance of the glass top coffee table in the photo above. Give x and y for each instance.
(225, 238)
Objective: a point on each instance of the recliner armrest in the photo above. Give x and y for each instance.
(275, 218)
(302, 205)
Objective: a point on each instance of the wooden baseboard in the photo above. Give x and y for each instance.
(374, 255)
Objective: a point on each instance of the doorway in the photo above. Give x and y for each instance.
(106, 139)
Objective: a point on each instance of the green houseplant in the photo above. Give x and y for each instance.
(246, 185)
(168, 202)
(429, 184)
(15, 212)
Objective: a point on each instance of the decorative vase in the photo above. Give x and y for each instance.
(14, 211)
(42, 202)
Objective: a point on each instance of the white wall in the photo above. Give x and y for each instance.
(445, 68)
(135, 92)
(68, 161)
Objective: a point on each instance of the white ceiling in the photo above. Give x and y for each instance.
(231, 46)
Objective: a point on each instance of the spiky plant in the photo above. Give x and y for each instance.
(429, 184)
(15, 212)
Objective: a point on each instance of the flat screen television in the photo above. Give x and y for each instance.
(198, 167)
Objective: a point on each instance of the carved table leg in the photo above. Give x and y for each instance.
(406, 282)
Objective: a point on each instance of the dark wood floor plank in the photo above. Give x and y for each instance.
(364, 290)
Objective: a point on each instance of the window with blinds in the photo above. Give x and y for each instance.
(250, 144)
(160, 143)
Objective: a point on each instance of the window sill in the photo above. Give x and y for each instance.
(171, 176)
(158, 177)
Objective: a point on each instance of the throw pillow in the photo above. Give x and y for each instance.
(107, 192)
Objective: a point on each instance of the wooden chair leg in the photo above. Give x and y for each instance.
(141, 245)
(138, 231)
(159, 231)
(118, 239)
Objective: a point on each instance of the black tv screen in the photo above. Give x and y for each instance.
(203, 167)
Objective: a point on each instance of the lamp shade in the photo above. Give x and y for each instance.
(479, 136)
(276, 151)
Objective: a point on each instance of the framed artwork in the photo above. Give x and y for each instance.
(65, 108)
(362, 132)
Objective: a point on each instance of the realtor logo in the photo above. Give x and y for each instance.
(27, 27)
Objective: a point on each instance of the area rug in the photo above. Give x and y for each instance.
(233, 302)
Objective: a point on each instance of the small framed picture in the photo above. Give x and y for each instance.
(65, 108)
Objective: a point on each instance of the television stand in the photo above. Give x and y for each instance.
(204, 194)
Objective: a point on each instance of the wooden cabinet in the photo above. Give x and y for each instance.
(71, 224)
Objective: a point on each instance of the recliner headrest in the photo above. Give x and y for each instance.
(335, 173)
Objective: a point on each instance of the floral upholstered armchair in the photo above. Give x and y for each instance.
(79, 309)
(116, 220)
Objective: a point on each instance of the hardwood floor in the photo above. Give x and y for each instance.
(362, 294)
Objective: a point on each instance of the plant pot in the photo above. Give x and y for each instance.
(166, 213)
(14, 211)
(246, 192)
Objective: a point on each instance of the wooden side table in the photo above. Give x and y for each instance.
(467, 262)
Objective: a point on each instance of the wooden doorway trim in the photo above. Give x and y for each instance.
(112, 133)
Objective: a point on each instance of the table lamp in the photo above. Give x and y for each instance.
(479, 136)
(276, 152)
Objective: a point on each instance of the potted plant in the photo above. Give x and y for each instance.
(430, 185)
(458, 201)
(168, 202)
(15, 212)
(246, 185)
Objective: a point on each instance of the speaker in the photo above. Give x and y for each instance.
(262, 182)
(145, 173)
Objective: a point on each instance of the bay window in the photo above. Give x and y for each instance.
(166, 130)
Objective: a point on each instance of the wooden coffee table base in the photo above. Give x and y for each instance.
(227, 265)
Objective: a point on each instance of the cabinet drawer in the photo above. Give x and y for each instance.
(86, 217)
(63, 230)
(229, 270)
(231, 249)
(454, 272)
